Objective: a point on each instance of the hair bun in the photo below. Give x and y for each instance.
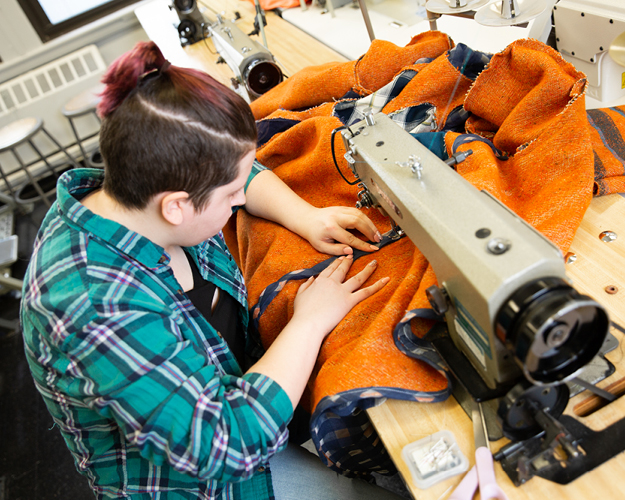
(124, 74)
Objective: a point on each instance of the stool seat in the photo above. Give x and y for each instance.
(19, 131)
(84, 102)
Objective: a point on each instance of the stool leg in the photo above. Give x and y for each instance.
(6, 181)
(45, 160)
(32, 179)
(58, 145)
(78, 140)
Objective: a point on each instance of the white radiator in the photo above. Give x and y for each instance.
(50, 78)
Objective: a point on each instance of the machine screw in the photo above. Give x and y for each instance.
(497, 246)
(557, 336)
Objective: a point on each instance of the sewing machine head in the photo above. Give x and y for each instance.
(253, 65)
(509, 307)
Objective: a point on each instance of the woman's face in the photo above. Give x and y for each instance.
(213, 217)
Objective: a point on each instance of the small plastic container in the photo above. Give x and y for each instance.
(434, 458)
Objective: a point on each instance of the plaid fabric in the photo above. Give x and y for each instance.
(420, 118)
(150, 400)
(350, 112)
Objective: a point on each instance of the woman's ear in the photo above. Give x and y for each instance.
(175, 206)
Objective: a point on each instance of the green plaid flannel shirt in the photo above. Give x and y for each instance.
(150, 400)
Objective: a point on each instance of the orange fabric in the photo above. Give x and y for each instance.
(275, 4)
(366, 75)
(529, 100)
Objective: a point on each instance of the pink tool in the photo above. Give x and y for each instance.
(482, 474)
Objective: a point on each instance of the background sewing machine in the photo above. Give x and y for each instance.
(516, 330)
(175, 25)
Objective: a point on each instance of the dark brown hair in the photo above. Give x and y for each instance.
(166, 128)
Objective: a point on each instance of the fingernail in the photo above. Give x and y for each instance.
(349, 256)
(374, 248)
(386, 280)
(373, 263)
(378, 237)
(341, 257)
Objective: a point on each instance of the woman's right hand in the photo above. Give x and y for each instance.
(325, 301)
(320, 304)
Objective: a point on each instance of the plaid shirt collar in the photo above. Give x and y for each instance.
(77, 183)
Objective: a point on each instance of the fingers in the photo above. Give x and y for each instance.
(361, 222)
(338, 269)
(332, 267)
(364, 293)
(305, 285)
(343, 236)
(334, 248)
(355, 282)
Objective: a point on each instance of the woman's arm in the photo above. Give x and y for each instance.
(325, 228)
(320, 305)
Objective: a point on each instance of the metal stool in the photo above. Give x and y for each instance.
(83, 104)
(21, 132)
(8, 255)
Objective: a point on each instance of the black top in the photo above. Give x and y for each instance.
(224, 318)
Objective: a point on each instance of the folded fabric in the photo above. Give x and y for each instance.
(521, 112)
(607, 127)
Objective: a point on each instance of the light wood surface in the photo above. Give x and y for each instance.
(293, 49)
(598, 266)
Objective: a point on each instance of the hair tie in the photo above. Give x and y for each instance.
(155, 71)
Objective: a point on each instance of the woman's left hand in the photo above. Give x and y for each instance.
(327, 230)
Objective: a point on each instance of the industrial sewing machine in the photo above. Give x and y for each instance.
(254, 67)
(517, 336)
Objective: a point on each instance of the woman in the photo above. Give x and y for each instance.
(134, 313)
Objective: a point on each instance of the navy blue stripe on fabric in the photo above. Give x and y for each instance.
(345, 438)
(350, 95)
(268, 128)
(415, 347)
(271, 291)
(609, 133)
(468, 138)
(456, 120)
(599, 173)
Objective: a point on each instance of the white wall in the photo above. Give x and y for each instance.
(21, 50)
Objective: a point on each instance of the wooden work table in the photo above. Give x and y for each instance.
(598, 265)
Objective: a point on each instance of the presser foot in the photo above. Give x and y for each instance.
(567, 451)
